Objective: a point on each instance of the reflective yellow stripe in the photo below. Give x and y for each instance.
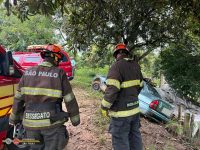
(6, 102)
(41, 91)
(106, 103)
(4, 112)
(141, 84)
(69, 97)
(46, 64)
(127, 59)
(125, 113)
(6, 90)
(75, 118)
(40, 123)
(130, 83)
(10, 111)
(113, 82)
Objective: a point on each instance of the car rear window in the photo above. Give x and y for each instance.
(16, 58)
(152, 90)
(32, 59)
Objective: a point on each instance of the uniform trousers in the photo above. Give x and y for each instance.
(55, 138)
(125, 133)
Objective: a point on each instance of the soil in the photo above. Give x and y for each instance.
(86, 137)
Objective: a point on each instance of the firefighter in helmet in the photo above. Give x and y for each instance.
(120, 102)
(39, 96)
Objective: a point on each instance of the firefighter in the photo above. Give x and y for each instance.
(120, 102)
(39, 96)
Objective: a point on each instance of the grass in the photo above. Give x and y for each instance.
(84, 76)
(175, 128)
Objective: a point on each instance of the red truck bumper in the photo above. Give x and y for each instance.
(2, 137)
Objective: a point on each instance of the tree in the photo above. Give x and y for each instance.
(15, 35)
(145, 24)
(181, 66)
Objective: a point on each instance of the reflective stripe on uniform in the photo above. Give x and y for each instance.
(132, 104)
(41, 91)
(75, 118)
(130, 83)
(127, 59)
(141, 84)
(106, 103)
(18, 94)
(46, 64)
(40, 123)
(125, 113)
(69, 97)
(113, 82)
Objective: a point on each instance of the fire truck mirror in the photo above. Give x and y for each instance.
(8, 65)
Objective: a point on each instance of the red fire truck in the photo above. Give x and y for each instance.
(32, 58)
(10, 74)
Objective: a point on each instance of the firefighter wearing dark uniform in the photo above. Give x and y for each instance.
(39, 96)
(120, 102)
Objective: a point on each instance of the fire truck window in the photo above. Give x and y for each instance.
(16, 58)
(32, 59)
(64, 59)
(1, 64)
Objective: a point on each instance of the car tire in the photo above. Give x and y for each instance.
(13, 146)
(96, 85)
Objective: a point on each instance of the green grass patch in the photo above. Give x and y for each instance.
(84, 76)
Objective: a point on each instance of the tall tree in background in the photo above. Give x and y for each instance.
(145, 24)
(15, 35)
(181, 66)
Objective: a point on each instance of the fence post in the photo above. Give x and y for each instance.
(186, 127)
(179, 112)
(192, 127)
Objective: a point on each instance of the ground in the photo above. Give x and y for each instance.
(86, 137)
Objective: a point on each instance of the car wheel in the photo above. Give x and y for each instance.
(13, 146)
(96, 85)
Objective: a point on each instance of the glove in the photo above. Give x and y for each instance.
(104, 113)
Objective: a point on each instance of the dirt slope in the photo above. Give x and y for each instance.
(85, 137)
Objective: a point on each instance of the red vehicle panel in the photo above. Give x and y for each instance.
(28, 59)
(8, 84)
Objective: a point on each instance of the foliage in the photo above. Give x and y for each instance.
(175, 127)
(181, 66)
(15, 35)
(97, 57)
(146, 24)
(148, 66)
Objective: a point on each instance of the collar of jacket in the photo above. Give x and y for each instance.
(124, 57)
(46, 64)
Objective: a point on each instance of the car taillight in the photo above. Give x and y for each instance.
(154, 104)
